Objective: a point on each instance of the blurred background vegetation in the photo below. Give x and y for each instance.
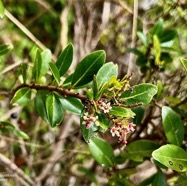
(147, 38)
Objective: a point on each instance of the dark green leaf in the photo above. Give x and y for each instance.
(22, 96)
(5, 48)
(184, 62)
(157, 29)
(40, 100)
(173, 126)
(72, 104)
(101, 151)
(65, 59)
(54, 109)
(2, 10)
(140, 149)
(139, 113)
(147, 181)
(122, 112)
(67, 81)
(142, 93)
(182, 181)
(159, 179)
(105, 73)
(103, 121)
(87, 68)
(167, 35)
(55, 72)
(172, 157)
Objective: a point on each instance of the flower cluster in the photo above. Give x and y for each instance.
(121, 130)
(89, 119)
(104, 106)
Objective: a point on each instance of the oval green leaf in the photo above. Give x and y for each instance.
(20, 134)
(55, 72)
(105, 73)
(54, 109)
(159, 179)
(22, 96)
(87, 68)
(140, 149)
(65, 59)
(172, 157)
(122, 112)
(101, 151)
(173, 126)
(71, 104)
(142, 93)
(39, 101)
(103, 121)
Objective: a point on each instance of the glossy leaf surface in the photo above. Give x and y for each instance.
(142, 93)
(173, 126)
(22, 96)
(55, 72)
(172, 157)
(101, 151)
(65, 59)
(87, 68)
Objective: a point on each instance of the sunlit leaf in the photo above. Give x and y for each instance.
(65, 59)
(54, 109)
(142, 93)
(122, 112)
(173, 126)
(172, 157)
(2, 10)
(184, 62)
(101, 151)
(87, 68)
(22, 96)
(55, 72)
(5, 48)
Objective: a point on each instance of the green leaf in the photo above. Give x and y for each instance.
(2, 10)
(22, 96)
(173, 126)
(24, 72)
(103, 121)
(37, 68)
(39, 101)
(20, 134)
(54, 109)
(139, 113)
(11, 128)
(5, 48)
(46, 58)
(105, 73)
(140, 149)
(55, 72)
(143, 38)
(160, 89)
(142, 93)
(87, 68)
(184, 62)
(72, 104)
(167, 35)
(67, 81)
(101, 151)
(157, 29)
(159, 179)
(182, 181)
(65, 59)
(122, 112)
(172, 157)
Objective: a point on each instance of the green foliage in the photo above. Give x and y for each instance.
(142, 93)
(55, 72)
(22, 96)
(2, 10)
(173, 126)
(172, 156)
(87, 68)
(4, 49)
(140, 149)
(101, 151)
